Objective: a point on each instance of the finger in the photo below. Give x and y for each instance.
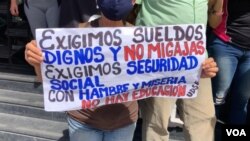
(33, 42)
(33, 61)
(33, 55)
(208, 60)
(31, 46)
(209, 75)
(17, 11)
(12, 12)
(213, 70)
(209, 64)
(34, 49)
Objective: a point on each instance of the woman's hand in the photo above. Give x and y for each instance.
(33, 55)
(209, 68)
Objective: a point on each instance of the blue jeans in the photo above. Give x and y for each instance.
(83, 132)
(233, 75)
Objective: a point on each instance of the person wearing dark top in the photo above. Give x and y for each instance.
(115, 122)
(229, 45)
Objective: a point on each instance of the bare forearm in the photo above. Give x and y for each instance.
(215, 12)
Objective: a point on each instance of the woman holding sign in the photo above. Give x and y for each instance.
(40, 13)
(114, 122)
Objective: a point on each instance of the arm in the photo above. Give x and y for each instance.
(133, 2)
(33, 56)
(215, 12)
(209, 68)
(14, 8)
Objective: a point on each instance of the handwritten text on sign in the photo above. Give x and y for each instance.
(87, 67)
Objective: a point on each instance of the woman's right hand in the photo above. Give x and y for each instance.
(33, 55)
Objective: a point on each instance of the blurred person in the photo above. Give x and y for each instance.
(229, 45)
(115, 122)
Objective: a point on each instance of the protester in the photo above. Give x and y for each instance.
(111, 122)
(229, 45)
(198, 113)
(114, 122)
(40, 13)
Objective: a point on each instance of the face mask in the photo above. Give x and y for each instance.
(115, 9)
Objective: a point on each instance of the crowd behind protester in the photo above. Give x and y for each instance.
(229, 45)
(198, 113)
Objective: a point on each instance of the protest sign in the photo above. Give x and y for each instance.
(90, 67)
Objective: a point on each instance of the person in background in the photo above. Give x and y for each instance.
(229, 45)
(40, 13)
(115, 122)
(198, 113)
